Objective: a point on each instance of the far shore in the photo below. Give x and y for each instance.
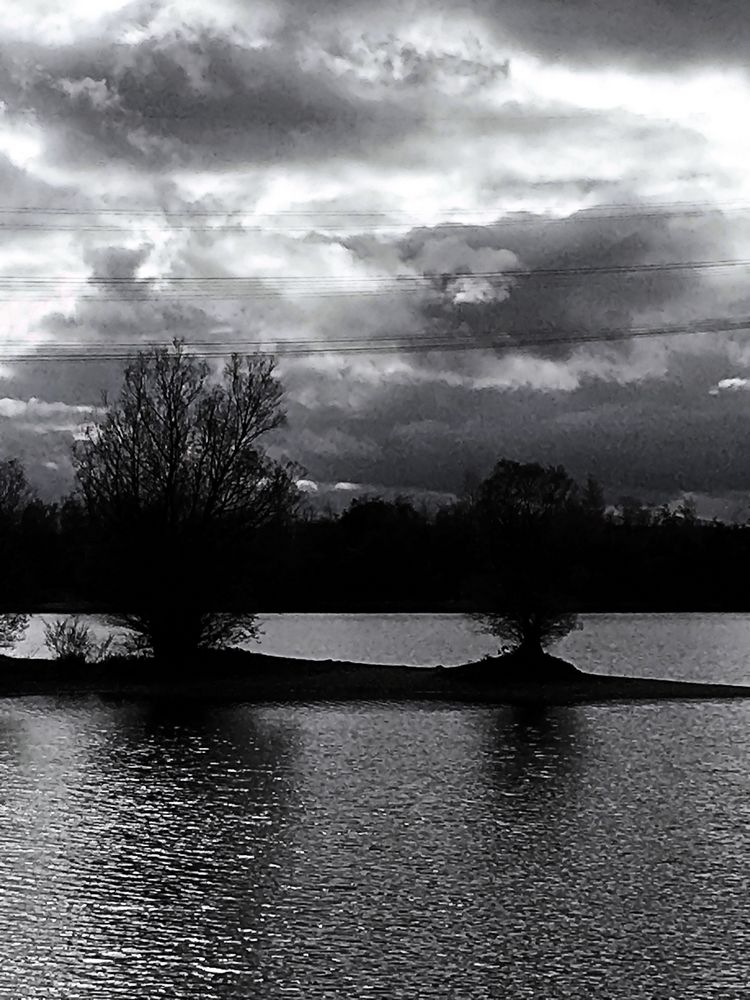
(240, 676)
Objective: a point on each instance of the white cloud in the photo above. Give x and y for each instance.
(477, 270)
(734, 384)
(37, 416)
(39, 408)
(307, 486)
(22, 144)
(54, 22)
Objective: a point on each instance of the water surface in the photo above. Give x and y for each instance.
(399, 852)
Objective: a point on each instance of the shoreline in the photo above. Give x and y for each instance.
(239, 676)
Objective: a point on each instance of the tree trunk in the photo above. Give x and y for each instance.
(531, 649)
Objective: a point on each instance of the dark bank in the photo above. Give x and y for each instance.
(240, 676)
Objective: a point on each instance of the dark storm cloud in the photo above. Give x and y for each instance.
(115, 262)
(657, 32)
(551, 307)
(195, 98)
(657, 435)
(570, 304)
(43, 434)
(638, 414)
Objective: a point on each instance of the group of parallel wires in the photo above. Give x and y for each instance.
(231, 288)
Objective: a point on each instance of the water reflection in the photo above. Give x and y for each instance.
(170, 822)
(533, 744)
(381, 850)
(533, 759)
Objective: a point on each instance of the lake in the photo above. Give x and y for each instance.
(711, 647)
(398, 851)
(306, 851)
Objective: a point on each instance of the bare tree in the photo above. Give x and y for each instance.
(15, 492)
(175, 480)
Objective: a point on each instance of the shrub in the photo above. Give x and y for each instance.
(71, 641)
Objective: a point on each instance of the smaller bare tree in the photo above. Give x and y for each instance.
(527, 632)
(529, 519)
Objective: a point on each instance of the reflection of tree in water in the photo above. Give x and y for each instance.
(184, 876)
(535, 742)
(534, 757)
(534, 763)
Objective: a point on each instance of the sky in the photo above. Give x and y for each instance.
(485, 192)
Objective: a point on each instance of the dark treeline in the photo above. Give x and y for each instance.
(390, 555)
(182, 529)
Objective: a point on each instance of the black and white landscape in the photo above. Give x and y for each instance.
(374, 499)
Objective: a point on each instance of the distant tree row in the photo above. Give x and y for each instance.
(182, 528)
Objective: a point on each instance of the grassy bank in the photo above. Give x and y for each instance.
(241, 676)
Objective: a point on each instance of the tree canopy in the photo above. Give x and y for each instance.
(176, 482)
(528, 516)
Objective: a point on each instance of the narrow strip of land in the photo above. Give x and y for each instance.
(250, 677)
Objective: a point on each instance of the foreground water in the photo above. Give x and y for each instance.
(710, 647)
(373, 851)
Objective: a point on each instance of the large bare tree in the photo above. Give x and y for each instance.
(176, 483)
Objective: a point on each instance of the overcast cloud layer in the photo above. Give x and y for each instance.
(321, 151)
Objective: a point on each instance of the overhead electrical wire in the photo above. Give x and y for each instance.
(435, 343)
(619, 207)
(41, 288)
(677, 265)
(174, 219)
(155, 290)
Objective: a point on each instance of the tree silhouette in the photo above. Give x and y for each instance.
(528, 518)
(177, 486)
(526, 629)
(15, 492)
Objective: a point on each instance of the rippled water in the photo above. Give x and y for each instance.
(389, 851)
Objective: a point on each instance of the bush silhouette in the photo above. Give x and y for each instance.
(71, 641)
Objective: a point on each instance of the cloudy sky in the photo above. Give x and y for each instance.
(475, 190)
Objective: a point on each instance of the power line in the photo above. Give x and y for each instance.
(627, 207)
(101, 352)
(240, 285)
(390, 220)
(222, 279)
